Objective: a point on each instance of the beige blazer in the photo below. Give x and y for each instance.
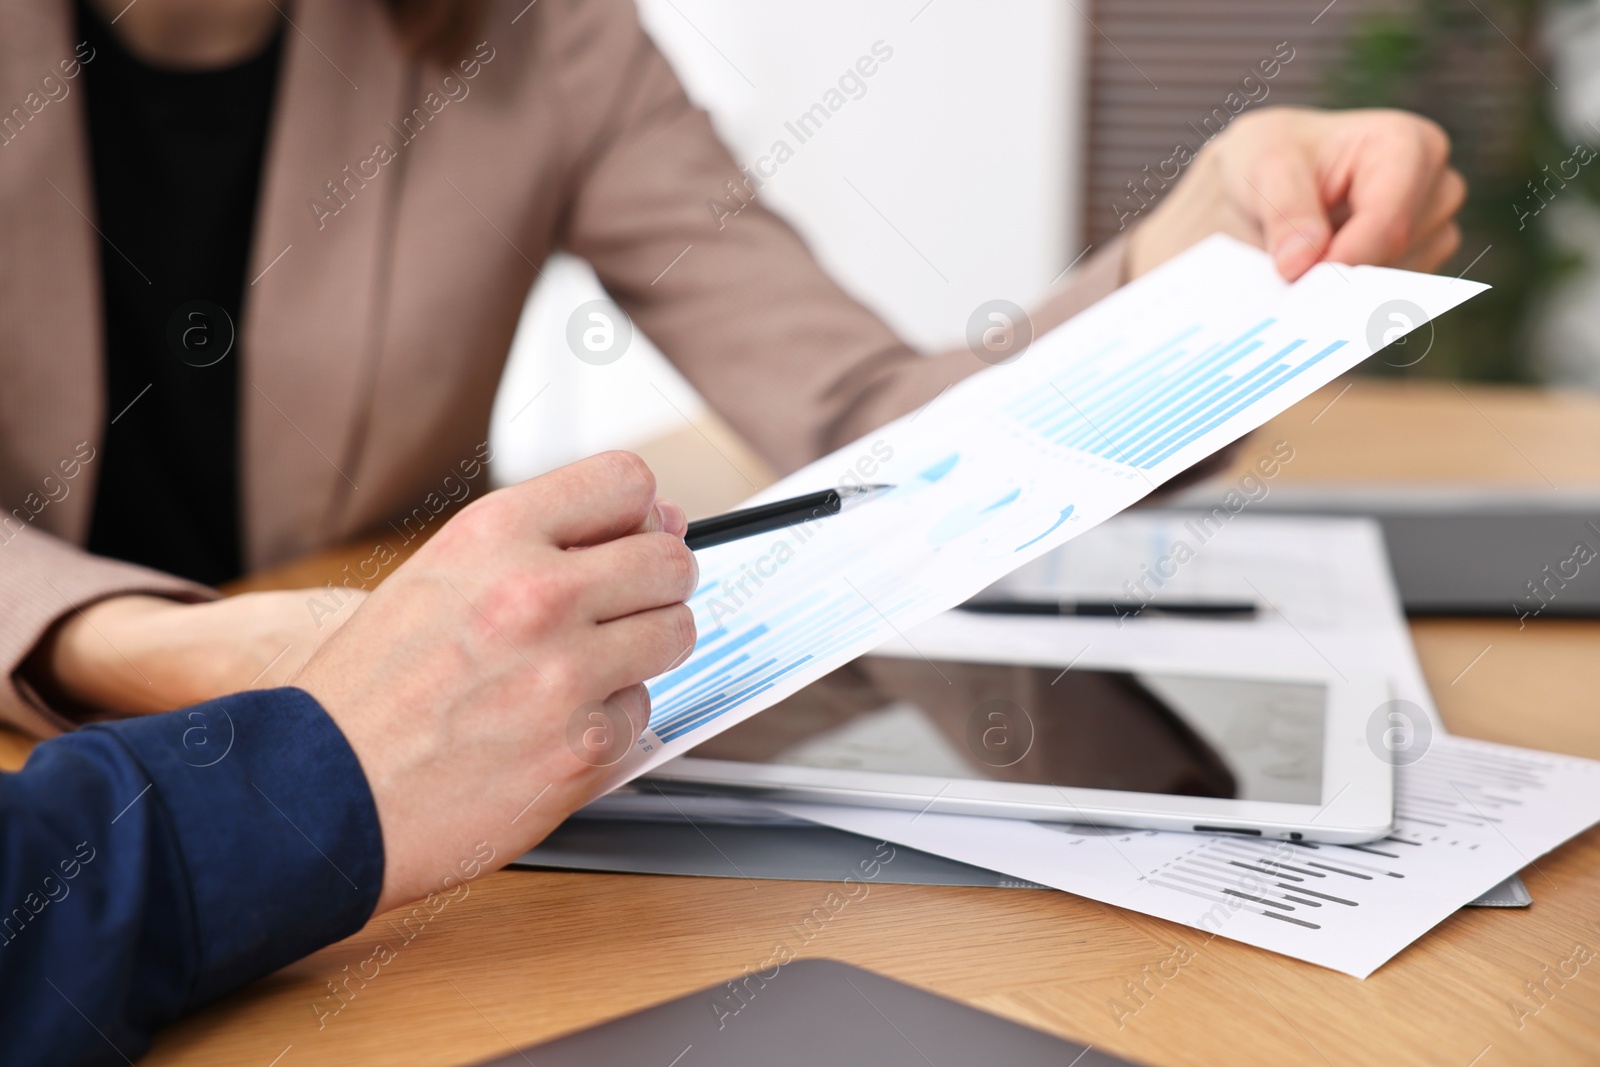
(404, 213)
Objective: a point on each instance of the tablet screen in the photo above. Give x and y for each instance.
(1238, 738)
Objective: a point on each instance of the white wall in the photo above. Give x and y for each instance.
(947, 183)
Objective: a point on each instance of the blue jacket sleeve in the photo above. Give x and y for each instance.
(152, 865)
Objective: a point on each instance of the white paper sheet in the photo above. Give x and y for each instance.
(1330, 607)
(1468, 814)
(1014, 461)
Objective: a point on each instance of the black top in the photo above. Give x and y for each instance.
(176, 158)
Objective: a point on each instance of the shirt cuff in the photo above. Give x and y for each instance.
(275, 824)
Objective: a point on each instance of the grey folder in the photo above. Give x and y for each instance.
(795, 852)
(1465, 550)
(809, 1013)
(800, 853)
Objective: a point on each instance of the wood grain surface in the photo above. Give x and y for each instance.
(528, 955)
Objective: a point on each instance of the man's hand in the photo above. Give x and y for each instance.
(143, 654)
(470, 684)
(1371, 186)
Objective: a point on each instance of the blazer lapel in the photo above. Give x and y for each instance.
(51, 388)
(311, 335)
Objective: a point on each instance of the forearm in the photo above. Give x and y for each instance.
(793, 362)
(152, 865)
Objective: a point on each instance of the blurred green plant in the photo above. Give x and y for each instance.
(1452, 61)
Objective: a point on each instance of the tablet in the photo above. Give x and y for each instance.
(787, 1012)
(1271, 756)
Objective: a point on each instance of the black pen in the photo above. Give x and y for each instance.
(1116, 609)
(719, 529)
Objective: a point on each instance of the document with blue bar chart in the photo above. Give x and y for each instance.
(1015, 460)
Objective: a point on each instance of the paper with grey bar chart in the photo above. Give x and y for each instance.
(1468, 815)
(1012, 462)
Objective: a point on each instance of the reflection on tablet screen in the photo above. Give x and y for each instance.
(1247, 739)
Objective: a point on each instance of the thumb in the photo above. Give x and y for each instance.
(1288, 207)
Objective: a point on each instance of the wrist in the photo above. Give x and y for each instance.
(90, 659)
(1195, 208)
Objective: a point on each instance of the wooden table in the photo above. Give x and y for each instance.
(530, 955)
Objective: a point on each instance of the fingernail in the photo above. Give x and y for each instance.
(671, 519)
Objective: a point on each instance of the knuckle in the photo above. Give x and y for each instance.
(691, 564)
(1245, 124)
(1397, 235)
(1435, 142)
(536, 602)
(661, 554)
(1451, 243)
(631, 472)
(487, 509)
(1267, 171)
(477, 520)
(635, 703)
(679, 561)
(682, 627)
(492, 518)
(1274, 122)
(565, 678)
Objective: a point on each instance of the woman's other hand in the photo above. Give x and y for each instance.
(1367, 186)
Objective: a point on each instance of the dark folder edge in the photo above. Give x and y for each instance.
(702, 849)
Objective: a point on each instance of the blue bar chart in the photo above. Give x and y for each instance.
(1007, 463)
(1145, 410)
(732, 666)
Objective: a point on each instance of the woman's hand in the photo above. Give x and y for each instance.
(1371, 186)
(490, 682)
(143, 654)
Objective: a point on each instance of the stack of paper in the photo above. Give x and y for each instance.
(1469, 814)
(1466, 816)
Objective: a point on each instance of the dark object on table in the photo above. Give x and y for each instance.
(809, 1013)
(1472, 550)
